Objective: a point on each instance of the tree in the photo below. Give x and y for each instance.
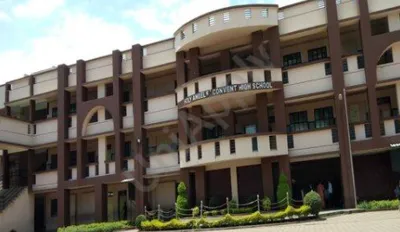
(182, 199)
(283, 188)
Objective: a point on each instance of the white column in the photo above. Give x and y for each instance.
(102, 150)
(234, 184)
(398, 95)
(101, 90)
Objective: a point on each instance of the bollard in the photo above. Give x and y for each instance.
(287, 199)
(145, 210)
(227, 205)
(158, 212)
(201, 209)
(258, 203)
(176, 211)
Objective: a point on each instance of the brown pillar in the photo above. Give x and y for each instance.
(63, 104)
(139, 134)
(231, 121)
(6, 170)
(185, 177)
(225, 60)
(180, 68)
(262, 113)
(7, 96)
(194, 63)
(31, 83)
(32, 109)
(274, 45)
(63, 217)
(30, 159)
(200, 184)
(81, 97)
(267, 180)
(100, 191)
(117, 117)
(196, 124)
(280, 113)
(183, 127)
(338, 86)
(284, 167)
(258, 48)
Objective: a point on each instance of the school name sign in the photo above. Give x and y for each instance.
(227, 89)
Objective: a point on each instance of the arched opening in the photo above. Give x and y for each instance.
(98, 120)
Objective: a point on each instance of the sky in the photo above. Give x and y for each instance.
(40, 34)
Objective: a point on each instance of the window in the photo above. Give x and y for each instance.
(345, 66)
(53, 162)
(146, 106)
(72, 108)
(109, 89)
(397, 126)
(187, 155)
(194, 27)
(226, 17)
(127, 149)
(53, 207)
(250, 77)
(267, 76)
(254, 144)
(285, 78)
(290, 141)
(281, 15)
(217, 149)
(108, 115)
(328, 70)
(323, 117)
(335, 136)
(183, 36)
(379, 26)
(360, 62)
(54, 112)
(232, 146)
(125, 165)
(386, 57)
(298, 121)
(247, 13)
(196, 87)
(185, 94)
(338, 2)
(352, 132)
(228, 79)
(211, 21)
(213, 133)
(72, 158)
(292, 59)
(251, 129)
(272, 142)
(126, 96)
(69, 122)
(199, 152)
(213, 83)
(321, 4)
(368, 130)
(385, 107)
(317, 54)
(94, 118)
(124, 113)
(264, 13)
(91, 157)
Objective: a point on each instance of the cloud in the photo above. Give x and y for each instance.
(4, 17)
(76, 36)
(36, 8)
(168, 18)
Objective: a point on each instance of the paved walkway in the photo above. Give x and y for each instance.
(383, 221)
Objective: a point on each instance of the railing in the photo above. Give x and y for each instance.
(311, 125)
(162, 148)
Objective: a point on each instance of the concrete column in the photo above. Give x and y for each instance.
(101, 114)
(102, 151)
(200, 184)
(267, 179)
(194, 63)
(234, 184)
(63, 198)
(262, 113)
(32, 109)
(30, 160)
(6, 170)
(258, 49)
(101, 90)
(225, 60)
(100, 192)
(183, 127)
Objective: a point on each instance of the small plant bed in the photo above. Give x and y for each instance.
(228, 220)
(379, 205)
(99, 227)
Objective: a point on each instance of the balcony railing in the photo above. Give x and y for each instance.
(162, 148)
(311, 125)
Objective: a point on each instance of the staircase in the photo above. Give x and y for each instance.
(7, 196)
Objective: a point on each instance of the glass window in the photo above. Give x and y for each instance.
(317, 54)
(386, 57)
(323, 117)
(251, 129)
(226, 17)
(292, 59)
(379, 26)
(264, 13)
(247, 13)
(298, 121)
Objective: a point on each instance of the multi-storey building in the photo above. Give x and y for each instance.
(236, 97)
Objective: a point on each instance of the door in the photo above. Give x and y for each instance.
(122, 205)
(39, 214)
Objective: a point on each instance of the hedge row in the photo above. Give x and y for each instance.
(227, 220)
(98, 227)
(379, 205)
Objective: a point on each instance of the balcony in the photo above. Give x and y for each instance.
(19, 89)
(354, 75)
(360, 131)
(161, 109)
(391, 126)
(46, 132)
(45, 180)
(158, 54)
(127, 120)
(313, 142)
(15, 131)
(163, 163)
(45, 82)
(99, 68)
(375, 6)
(223, 85)
(100, 127)
(233, 148)
(219, 25)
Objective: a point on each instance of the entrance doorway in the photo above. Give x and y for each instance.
(307, 175)
(39, 214)
(122, 205)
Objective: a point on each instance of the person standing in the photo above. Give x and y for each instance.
(321, 193)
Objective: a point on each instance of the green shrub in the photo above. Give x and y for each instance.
(139, 219)
(195, 211)
(97, 227)
(266, 204)
(233, 204)
(245, 210)
(379, 205)
(283, 188)
(223, 211)
(313, 200)
(182, 200)
(215, 212)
